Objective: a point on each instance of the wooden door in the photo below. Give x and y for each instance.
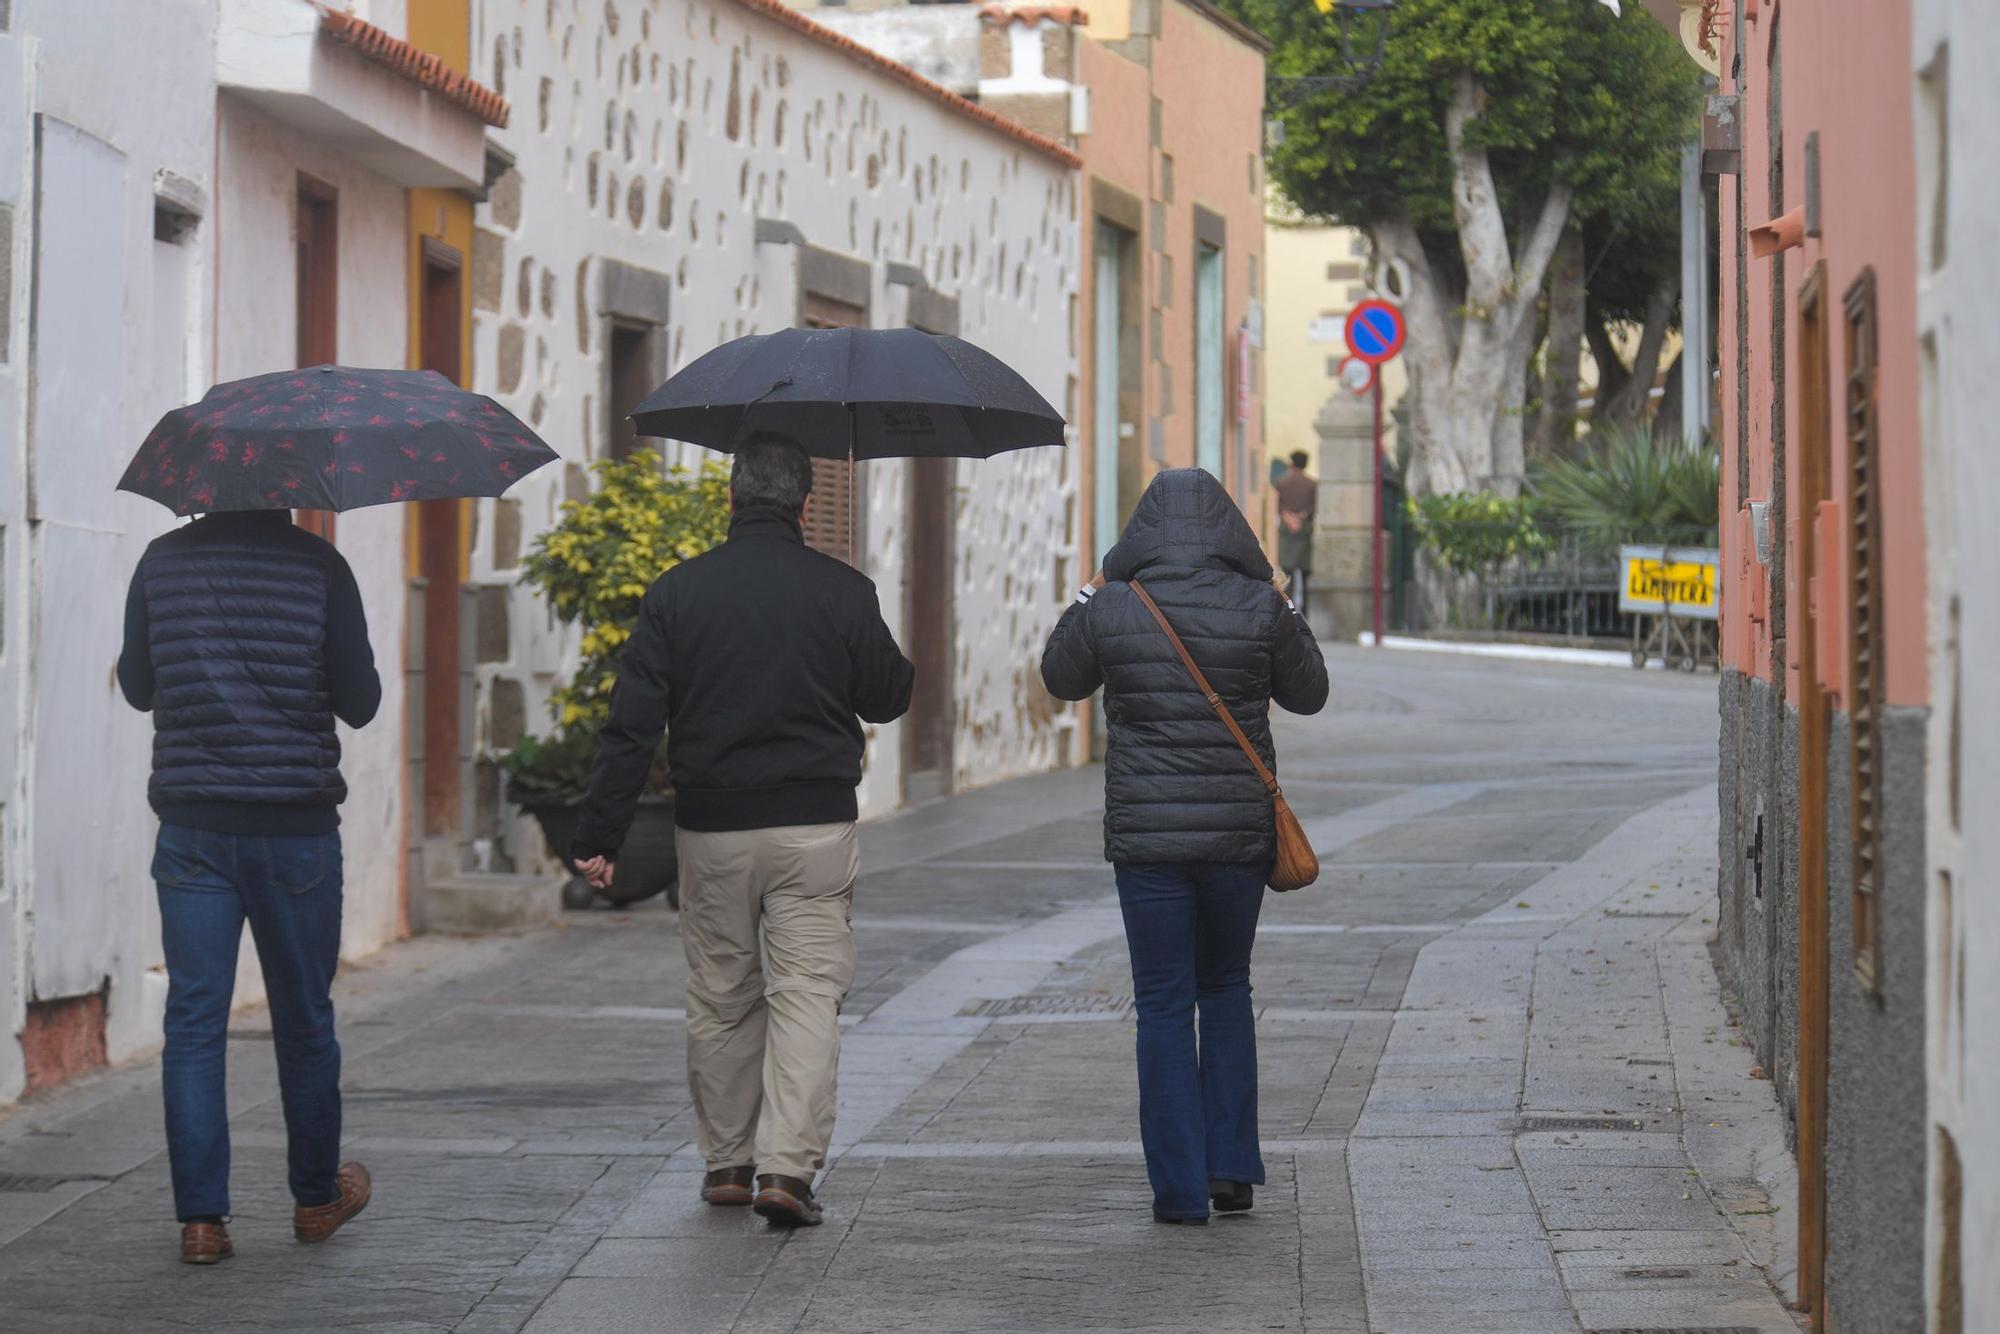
(1815, 958)
(928, 581)
(440, 564)
(317, 298)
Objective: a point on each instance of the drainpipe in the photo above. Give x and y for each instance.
(1697, 347)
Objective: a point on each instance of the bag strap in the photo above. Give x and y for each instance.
(1208, 692)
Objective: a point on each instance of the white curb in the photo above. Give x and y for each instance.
(1592, 657)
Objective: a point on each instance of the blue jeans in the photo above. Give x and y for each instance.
(289, 889)
(1190, 927)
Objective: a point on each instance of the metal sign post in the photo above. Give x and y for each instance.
(1375, 333)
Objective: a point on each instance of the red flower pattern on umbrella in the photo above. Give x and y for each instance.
(335, 439)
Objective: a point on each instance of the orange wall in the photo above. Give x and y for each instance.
(1842, 76)
(444, 29)
(1211, 86)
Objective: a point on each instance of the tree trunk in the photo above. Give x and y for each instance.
(1629, 405)
(1465, 351)
(1611, 372)
(1564, 363)
(1669, 420)
(1510, 425)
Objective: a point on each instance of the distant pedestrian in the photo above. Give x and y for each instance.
(1298, 507)
(761, 659)
(1188, 824)
(245, 639)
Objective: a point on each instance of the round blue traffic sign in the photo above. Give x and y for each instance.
(1375, 331)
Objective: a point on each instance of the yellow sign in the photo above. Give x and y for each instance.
(1682, 582)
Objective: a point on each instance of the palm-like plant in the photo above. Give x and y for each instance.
(1629, 484)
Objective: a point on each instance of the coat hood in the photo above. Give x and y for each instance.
(1186, 519)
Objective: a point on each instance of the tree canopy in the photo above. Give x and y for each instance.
(1569, 90)
(1492, 130)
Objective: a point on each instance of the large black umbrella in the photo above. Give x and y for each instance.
(332, 438)
(854, 393)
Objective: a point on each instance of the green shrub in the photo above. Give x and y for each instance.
(596, 565)
(1470, 531)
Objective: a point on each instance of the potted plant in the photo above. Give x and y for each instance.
(595, 565)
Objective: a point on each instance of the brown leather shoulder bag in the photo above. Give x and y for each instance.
(1297, 865)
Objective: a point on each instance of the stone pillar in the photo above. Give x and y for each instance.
(1340, 586)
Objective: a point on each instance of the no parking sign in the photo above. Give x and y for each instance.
(1375, 332)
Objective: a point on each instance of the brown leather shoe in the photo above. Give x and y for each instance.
(787, 1202)
(728, 1185)
(320, 1221)
(206, 1244)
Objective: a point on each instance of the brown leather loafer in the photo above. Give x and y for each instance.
(787, 1202)
(320, 1221)
(728, 1185)
(206, 1244)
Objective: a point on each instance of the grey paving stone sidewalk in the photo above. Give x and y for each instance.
(1499, 1091)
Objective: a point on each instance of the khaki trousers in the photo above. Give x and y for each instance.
(770, 956)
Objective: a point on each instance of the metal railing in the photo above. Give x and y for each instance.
(1541, 581)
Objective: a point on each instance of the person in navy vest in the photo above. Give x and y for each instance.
(245, 639)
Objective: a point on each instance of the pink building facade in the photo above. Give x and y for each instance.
(1825, 691)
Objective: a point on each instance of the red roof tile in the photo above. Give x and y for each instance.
(419, 67)
(1067, 15)
(778, 12)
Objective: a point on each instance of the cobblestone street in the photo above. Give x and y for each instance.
(1500, 1088)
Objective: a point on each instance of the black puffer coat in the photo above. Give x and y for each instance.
(1177, 787)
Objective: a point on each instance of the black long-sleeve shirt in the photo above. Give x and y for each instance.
(761, 660)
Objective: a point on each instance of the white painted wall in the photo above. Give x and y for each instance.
(16, 138)
(127, 331)
(261, 159)
(982, 216)
(118, 103)
(1957, 135)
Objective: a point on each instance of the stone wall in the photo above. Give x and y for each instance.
(1876, 1126)
(732, 155)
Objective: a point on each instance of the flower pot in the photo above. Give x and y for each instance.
(647, 864)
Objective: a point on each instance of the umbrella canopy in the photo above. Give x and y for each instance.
(860, 393)
(332, 438)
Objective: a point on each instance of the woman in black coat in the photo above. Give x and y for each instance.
(1187, 822)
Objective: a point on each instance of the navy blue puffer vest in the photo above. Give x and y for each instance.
(242, 712)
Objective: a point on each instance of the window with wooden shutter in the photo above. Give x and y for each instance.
(1864, 628)
(831, 521)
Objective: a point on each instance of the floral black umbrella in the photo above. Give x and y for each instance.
(332, 438)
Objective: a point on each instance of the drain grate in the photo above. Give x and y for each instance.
(1063, 1002)
(1658, 1273)
(1580, 1123)
(27, 1185)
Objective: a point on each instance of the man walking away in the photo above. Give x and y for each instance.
(1298, 505)
(761, 659)
(245, 639)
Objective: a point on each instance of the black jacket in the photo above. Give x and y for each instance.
(757, 658)
(244, 636)
(1177, 787)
